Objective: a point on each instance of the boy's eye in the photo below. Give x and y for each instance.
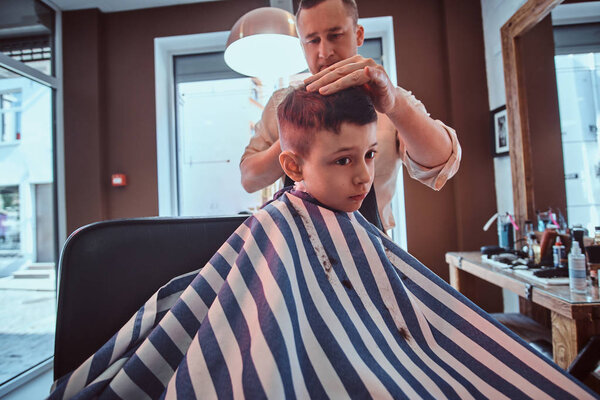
(334, 36)
(343, 161)
(370, 154)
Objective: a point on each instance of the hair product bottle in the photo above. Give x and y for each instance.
(577, 272)
(558, 253)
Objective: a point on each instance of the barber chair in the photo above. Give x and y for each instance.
(107, 270)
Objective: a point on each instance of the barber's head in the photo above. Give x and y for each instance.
(329, 31)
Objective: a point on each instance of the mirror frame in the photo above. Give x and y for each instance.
(520, 23)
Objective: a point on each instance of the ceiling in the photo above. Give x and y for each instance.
(119, 5)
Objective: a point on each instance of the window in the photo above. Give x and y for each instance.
(216, 109)
(10, 237)
(10, 116)
(28, 220)
(27, 260)
(205, 117)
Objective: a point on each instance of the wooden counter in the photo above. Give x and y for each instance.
(575, 317)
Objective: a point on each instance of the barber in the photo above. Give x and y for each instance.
(330, 36)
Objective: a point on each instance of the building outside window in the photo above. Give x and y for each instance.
(10, 116)
(10, 237)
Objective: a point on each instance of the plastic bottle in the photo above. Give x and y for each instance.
(537, 254)
(558, 253)
(577, 270)
(529, 237)
(593, 267)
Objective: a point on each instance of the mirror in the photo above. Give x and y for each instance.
(536, 138)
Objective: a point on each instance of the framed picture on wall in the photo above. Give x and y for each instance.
(499, 131)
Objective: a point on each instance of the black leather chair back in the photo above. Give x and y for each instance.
(107, 270)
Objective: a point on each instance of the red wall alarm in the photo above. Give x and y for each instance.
(119, 179)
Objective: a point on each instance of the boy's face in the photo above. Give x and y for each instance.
(339, 169)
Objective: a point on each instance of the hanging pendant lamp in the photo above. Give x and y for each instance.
(264, 43)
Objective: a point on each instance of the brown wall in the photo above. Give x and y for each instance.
(110, 110)
(84, 137)
(474, 192)
(109, 103)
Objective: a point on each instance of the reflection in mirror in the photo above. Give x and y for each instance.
(540, 94)
(553, 113)
(577, 62)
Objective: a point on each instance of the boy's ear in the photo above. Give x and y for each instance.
(291, 164)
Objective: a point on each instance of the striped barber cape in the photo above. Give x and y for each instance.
(304, 302)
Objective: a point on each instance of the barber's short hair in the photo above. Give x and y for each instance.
(302, 114)
(350, 5)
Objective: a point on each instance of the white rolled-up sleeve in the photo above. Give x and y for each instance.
(434, 177)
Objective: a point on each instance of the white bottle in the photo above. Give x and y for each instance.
(577, 272)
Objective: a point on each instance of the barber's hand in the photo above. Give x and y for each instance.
(356, 71)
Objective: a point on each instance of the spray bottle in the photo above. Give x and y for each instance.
(577, 270)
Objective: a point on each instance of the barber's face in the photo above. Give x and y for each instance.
(328, 34)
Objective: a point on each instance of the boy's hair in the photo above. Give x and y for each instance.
(350, 5)
(302, 114)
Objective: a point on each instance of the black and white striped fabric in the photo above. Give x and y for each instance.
(303, 302)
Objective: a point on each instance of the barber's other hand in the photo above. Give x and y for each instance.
(356, 71)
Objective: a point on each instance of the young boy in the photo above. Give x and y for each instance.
(329, 145)
(306, 299)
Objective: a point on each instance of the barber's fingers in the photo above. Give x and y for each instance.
(379, 78)
(381, 89)
(355, 78)
(334, 76)
(336, 71)
(353, 59)
(374, 79)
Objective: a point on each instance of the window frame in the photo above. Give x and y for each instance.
(165, 48)
(54, 83)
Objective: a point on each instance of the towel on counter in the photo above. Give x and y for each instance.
(304, 302)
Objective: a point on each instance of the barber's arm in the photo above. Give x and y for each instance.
(261, 169)
(259, 165)
(426, 141)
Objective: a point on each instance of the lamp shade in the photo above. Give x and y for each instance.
(264, 43)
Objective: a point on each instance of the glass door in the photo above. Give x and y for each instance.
(28, 239)
(27, 242)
